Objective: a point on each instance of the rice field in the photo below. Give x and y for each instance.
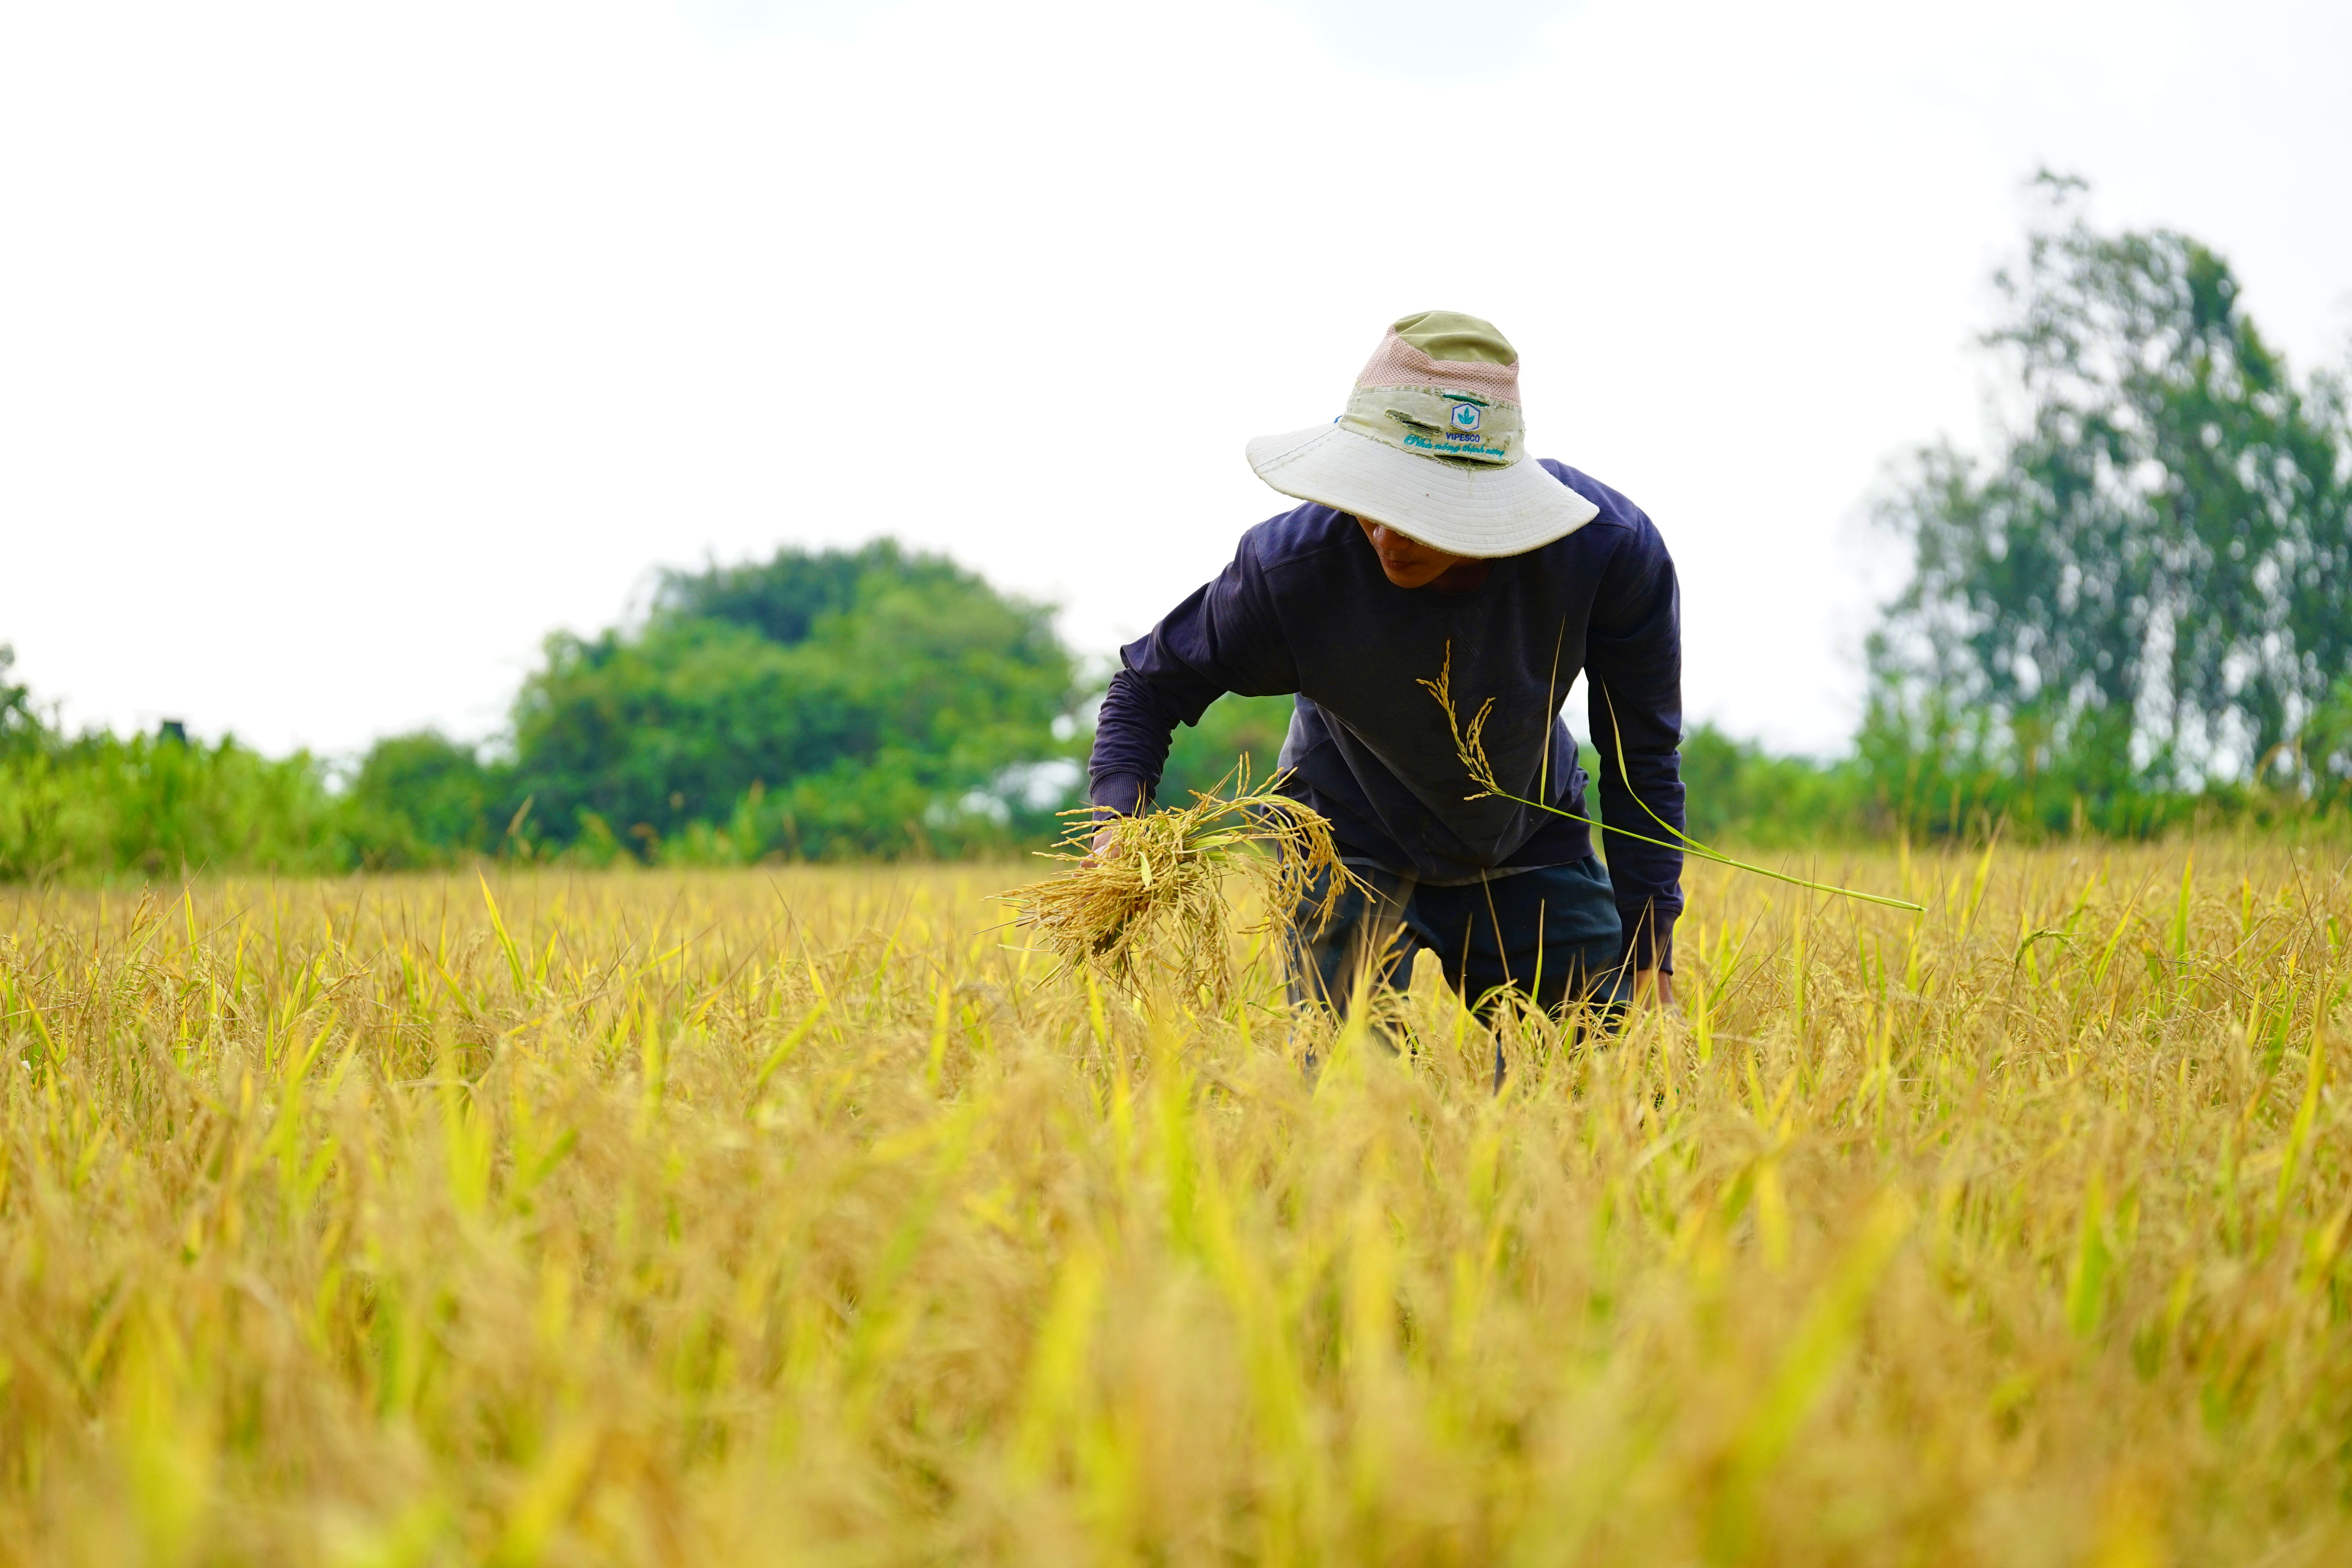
(808, 1217)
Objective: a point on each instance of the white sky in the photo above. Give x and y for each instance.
(346, 351)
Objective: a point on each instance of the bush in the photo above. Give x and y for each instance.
(100, 805)
(423, 799)
(1735, 790)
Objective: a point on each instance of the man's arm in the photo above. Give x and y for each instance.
(1633, 658)
(1132, 735)
(1225, 637)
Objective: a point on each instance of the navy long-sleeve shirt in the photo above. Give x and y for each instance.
(1306, 609)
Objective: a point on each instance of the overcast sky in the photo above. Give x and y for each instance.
(346, 351)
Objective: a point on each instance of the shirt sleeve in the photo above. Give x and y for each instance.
(1633, 659)
(1225, 637)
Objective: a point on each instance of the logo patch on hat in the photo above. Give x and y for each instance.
(1446, 423)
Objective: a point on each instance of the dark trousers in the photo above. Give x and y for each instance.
(1551, 934)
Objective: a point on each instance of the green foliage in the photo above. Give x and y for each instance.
(1232, 727)
(2326, 745)
(1735, 791)
(21, 728)
(100, 805)
(821, 704)
(423, 799)
(96, 805)
(783, 599)
(2151, 589)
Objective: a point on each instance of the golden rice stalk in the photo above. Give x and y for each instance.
(1470, 746)
(1153, 900)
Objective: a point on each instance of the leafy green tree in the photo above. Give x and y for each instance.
(858, 701)
(2150, 587)
(20, 728)
(1234, 727)
(423, 799)
(784, 598)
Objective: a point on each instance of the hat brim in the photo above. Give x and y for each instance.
(1482, 509)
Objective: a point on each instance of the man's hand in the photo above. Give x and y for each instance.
(1104, 841)
(1653, 987)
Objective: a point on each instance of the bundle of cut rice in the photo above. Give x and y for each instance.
(1150, 899)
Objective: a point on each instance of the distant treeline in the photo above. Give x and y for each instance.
(823, 705)
(99, 804)
(2136, 612)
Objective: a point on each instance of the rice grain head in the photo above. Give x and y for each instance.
(1152, 905)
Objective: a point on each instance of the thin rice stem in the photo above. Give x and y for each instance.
(1469, 744)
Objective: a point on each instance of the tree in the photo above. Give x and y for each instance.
(1232, 727)
(20, 728)
(785, 598)
(2150, 587)
(829, 701)
(420, 799)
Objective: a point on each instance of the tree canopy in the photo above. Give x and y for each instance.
(2146, 588)
(818, 703)
(19, 726)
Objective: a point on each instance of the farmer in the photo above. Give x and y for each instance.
(1432, 542)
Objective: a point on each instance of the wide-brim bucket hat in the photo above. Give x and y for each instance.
(1433, 445)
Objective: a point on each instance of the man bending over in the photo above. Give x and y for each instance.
(1430, 541)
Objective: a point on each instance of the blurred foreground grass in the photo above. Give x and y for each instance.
(793, 1218)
